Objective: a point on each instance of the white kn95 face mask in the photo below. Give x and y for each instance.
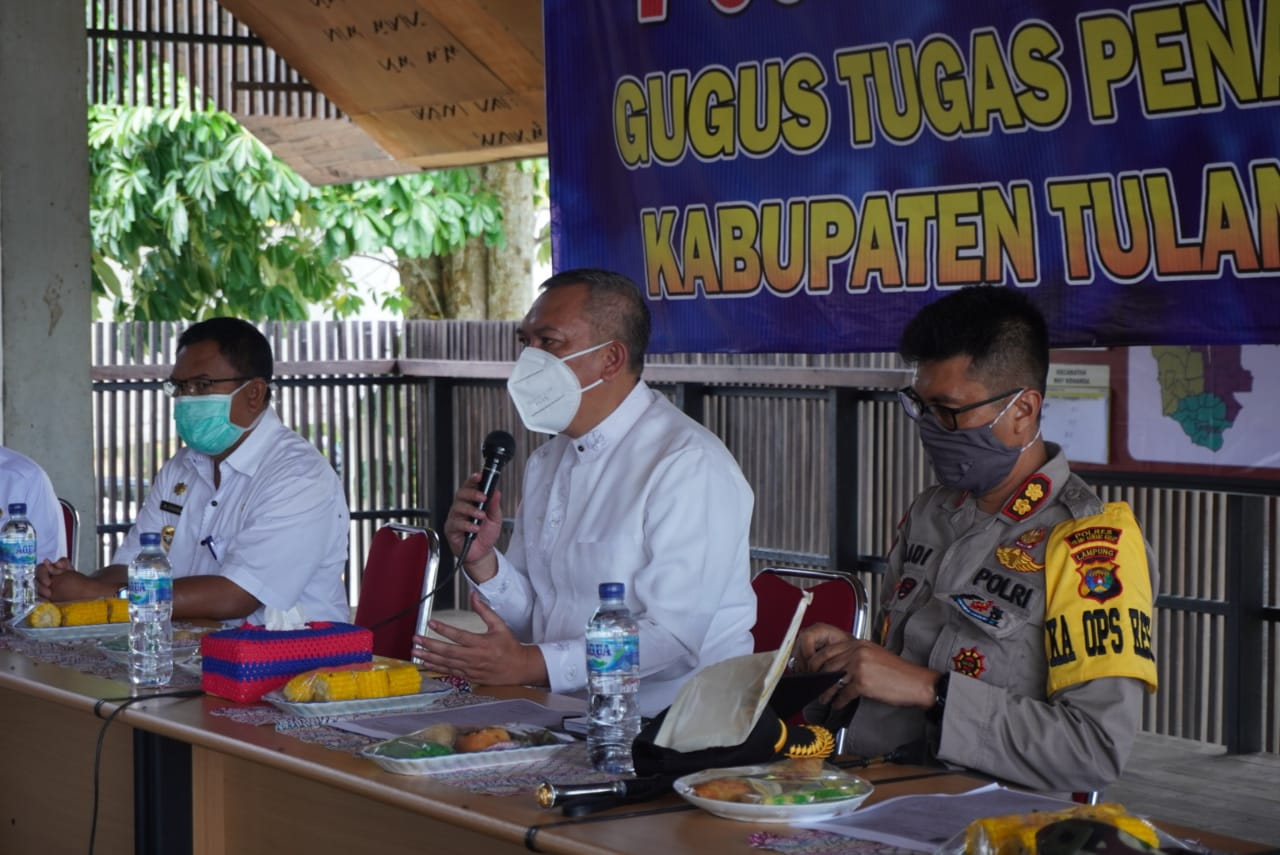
(545, 390)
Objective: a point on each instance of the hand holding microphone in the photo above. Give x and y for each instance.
(498, 448)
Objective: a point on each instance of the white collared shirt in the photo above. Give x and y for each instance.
(276, 525)
(22, 480)
(652, 499)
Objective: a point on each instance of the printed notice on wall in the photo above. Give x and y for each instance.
(1077, 409)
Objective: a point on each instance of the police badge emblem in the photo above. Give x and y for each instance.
(166, 537)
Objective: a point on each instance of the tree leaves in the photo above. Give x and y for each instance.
(202, 219)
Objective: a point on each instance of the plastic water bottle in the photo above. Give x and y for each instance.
(150, 615)
(18, 552)
(613, 678)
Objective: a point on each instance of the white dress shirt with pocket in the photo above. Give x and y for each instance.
(276, 525)
(649, 498)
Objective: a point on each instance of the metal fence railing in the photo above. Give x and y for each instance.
(400, 410)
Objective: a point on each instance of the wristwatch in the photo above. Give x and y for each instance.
(940, 687)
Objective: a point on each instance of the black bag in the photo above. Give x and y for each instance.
(771, 738)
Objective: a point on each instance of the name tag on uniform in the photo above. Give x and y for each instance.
(170, 508)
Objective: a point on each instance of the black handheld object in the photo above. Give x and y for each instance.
(498, 448)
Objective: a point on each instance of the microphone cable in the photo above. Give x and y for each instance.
(125, 703)
(498, 449)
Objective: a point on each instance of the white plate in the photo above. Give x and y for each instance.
(431, 692)
(68, 633)
(184, 647)
(466, 761)
(748, 812)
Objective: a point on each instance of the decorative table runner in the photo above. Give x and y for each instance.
(814, 842)
(86, 657)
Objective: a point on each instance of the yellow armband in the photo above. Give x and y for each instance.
(1098, 600)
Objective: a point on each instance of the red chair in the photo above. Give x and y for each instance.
(838, 599)
(71, 522)
(401, 567)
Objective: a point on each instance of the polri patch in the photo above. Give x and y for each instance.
(1030, 496)
(904, 587)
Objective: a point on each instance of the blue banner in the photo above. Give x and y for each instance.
(804, 175)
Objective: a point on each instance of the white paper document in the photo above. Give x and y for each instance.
(923, 823)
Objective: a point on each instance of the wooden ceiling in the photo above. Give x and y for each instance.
(425, 83)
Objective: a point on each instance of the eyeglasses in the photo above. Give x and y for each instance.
(196, 385)
(944, 415)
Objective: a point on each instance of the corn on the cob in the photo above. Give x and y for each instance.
(372, 683)
(377, 680)
(117, 610)
(45, 615)
(335, 686)
(403, 680)
(84, 612)
(301, 689)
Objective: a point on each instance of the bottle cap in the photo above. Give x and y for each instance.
(150, 538)
(613, 591)
(17, 509)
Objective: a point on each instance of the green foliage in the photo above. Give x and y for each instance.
(202, 219)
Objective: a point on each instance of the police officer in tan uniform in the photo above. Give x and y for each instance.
(1015, 636)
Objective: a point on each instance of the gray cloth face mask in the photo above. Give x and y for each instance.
(969, 458)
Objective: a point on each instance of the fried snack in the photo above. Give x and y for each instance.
(479, 740)
(724, 789)
(442, 733)
(799, 767)
(45, 615)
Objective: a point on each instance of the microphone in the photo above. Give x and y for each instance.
(498, 448)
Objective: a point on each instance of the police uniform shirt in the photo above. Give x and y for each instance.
(966, 594)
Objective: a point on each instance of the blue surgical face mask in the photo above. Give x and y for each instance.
(204, 422)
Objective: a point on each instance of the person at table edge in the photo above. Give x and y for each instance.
(630, 490)
(251, 514)
(1015, 628)
(22, 480)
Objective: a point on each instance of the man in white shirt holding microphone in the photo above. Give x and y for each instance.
(630, 490)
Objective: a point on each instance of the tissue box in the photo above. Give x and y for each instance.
(245, 663)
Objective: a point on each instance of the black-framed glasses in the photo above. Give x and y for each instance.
(942, 414)
(196, 385)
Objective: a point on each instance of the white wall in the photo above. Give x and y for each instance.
(45, 409)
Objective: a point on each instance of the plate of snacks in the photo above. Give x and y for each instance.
(74, 620)
(186, 644)
(446, 747)
(786, 791)
(384, 685)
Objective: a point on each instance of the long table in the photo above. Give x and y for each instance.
(254, 790)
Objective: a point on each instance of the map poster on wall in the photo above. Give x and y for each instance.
(1210, 405)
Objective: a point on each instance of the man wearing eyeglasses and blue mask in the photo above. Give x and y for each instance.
(1015, 628)
(629, 490)
(251, 514)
